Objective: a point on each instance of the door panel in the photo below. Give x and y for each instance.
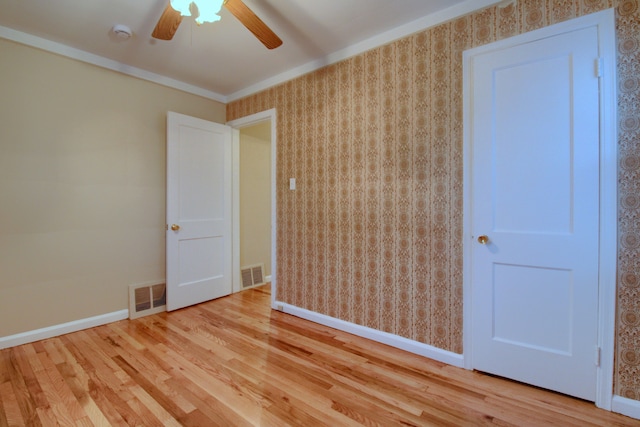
(520, 293)
(521, 114)
(535, 194)
(199, 203)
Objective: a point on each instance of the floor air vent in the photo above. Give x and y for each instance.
(252, 275)
(145, 299)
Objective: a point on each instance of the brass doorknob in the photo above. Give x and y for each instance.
(483, 240)
(175, 227)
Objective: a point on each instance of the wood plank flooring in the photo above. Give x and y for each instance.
(234, 362)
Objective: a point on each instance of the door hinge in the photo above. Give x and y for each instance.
(599, 67)
(598, 352)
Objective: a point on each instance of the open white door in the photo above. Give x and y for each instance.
(199, 211)
(535, 211)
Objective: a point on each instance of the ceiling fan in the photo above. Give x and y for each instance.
(170, 20)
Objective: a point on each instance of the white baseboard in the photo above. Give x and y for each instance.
(396, 341)
(267, 279)
(64, 328)
(625, 406)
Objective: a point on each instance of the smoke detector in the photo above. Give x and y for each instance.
(122, 32)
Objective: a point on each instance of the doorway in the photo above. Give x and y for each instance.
(254, 212)
(255, 204)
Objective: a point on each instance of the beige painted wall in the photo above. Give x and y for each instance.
(255, 196)
(373, 235)
(82, 185)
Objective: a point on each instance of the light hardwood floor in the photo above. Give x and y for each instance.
(234, 362)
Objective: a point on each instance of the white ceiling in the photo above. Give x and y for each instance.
(222, 59)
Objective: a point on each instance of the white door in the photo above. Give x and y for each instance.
(198, 211)
(535, 196)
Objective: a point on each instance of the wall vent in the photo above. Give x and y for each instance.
(146, 299)
(252, 275)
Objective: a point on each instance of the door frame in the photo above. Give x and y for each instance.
(253, 119)
(604, 21)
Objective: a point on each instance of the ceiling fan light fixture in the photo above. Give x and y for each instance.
(207, 10)
(182, 6)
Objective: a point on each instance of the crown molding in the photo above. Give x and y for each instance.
(110, 64)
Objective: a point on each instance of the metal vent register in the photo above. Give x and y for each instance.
(146, 299)
(252, 275)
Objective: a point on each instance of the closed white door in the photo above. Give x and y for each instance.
(535, 212)
(198, 211)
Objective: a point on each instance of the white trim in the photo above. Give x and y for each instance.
(396, 341)
(608, 256)
(263, 116)
(62, 329)
(605, 22)
(625, 406)
(373, 42)
(110, 64)
(467, 235)
(235, 213)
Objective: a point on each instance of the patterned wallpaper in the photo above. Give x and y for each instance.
(373, 235)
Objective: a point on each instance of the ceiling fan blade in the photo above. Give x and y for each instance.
(253, 23)
(167, 24)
